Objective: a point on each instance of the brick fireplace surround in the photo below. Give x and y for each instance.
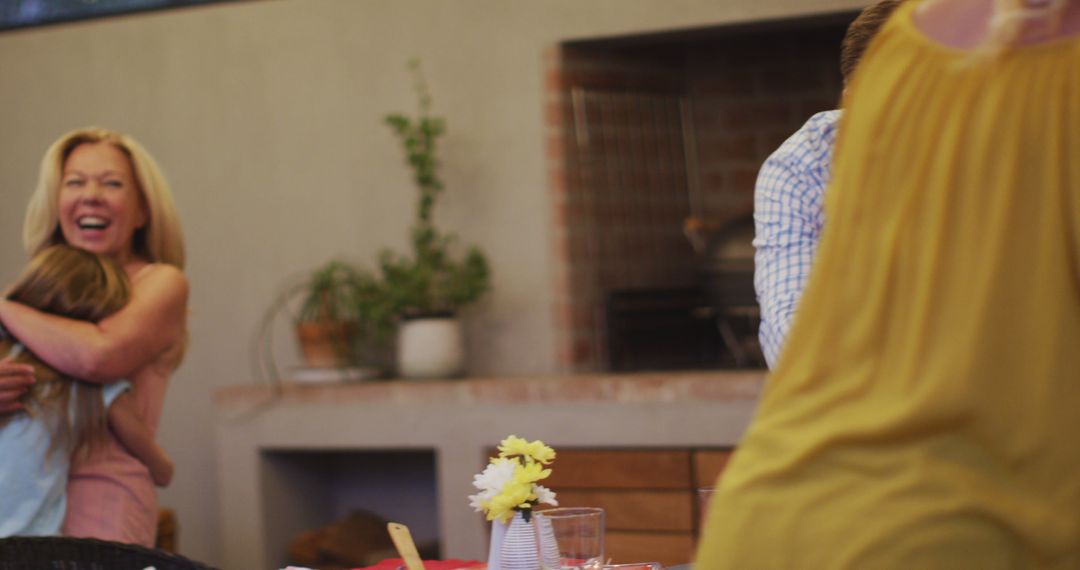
(618, 223)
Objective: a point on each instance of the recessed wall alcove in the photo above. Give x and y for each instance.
(304, 489)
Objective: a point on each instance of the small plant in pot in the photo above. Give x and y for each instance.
(343, 318)
(327, 323)
(428, 286)
(342, 321)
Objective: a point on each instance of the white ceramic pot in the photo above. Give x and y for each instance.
(431, 348)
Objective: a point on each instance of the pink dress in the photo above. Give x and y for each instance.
(111, 495)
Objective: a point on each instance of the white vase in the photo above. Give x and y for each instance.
(431, 347)
(514, 545)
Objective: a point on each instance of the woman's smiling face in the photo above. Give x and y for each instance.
(100, 204)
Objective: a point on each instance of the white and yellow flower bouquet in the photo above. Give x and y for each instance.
(509, 489)
(510, 482)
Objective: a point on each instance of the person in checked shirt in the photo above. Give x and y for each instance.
(789, 198)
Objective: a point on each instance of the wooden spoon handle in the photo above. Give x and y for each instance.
(405, 546)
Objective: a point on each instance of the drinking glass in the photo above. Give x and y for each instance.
(705, 495)
(570, 538)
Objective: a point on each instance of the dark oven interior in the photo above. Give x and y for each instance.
(711, 325)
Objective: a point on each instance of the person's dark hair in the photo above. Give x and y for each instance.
(861, 31)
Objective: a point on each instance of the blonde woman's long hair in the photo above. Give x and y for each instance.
(67, 281)
(160, 240)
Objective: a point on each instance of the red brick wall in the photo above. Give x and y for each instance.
(749, 95)
(619, 183)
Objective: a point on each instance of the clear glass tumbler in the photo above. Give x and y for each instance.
(704, 496)
(570, 538)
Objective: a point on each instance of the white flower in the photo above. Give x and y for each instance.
(491, 482)
(545, 495)
(495, 475)
(477, 502)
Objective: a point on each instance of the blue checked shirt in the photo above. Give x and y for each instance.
(788, 217)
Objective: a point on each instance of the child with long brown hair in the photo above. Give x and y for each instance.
(64, 417)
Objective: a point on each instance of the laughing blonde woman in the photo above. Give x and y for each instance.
(100, 191)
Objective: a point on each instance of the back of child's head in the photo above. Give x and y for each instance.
(73, 283)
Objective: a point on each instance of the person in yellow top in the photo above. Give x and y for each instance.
(925, 409)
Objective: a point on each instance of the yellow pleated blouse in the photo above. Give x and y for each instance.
(926, 410)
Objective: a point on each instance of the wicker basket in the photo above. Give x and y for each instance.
(66, 553)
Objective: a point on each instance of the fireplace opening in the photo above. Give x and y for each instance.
(661, 329)
(657, 134)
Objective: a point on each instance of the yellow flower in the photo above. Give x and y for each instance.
(513, 445)
(535, 450)
(530, 473)
(514, 495)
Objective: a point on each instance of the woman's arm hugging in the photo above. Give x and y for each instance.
(119, 344)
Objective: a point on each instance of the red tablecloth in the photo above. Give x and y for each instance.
(395, 563)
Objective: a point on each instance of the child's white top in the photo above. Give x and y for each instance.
(33, 482)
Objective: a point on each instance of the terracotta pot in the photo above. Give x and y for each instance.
(326, 344)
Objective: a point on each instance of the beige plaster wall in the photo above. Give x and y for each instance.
(265, 116)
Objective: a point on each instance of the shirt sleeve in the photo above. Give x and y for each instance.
(788, 218)
(111, 391)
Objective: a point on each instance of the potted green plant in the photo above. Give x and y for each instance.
(427, 286)
(342, 321)
(328, 321)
